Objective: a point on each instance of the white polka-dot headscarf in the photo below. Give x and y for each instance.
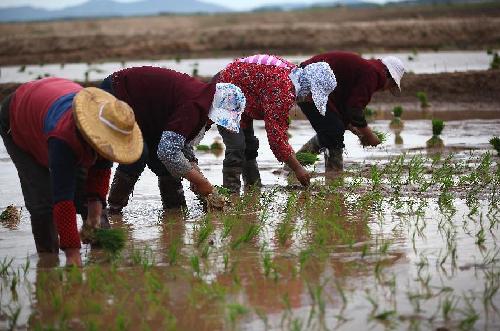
(317, 79)
(228, 106)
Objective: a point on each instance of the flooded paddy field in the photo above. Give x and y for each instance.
(416, 62)
(404, 238)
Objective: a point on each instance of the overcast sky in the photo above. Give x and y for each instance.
(233, 4)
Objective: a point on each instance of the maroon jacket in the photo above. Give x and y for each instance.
(357, 80)
(164, 100)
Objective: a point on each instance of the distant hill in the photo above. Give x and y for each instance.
(109, 8)
(357, 3)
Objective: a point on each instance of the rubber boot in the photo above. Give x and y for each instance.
(231, 178)
(171, 192)
(45, 234)
(251, 174)
(312, 146)
(121, 188)
(334, 159)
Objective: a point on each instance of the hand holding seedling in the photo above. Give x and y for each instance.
(302, 175)
(367, 136)
(199, 183)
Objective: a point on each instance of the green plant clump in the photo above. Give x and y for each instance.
(397, 111)
(369, 112)
(495, 142)
(382, 136)
(306, 158)
(111, 240)
(422, 97)
(437, 127)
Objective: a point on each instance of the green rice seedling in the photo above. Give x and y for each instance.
(13, 317)
(495, 61)
(495, 142)
(306, 158)
(382, 136)
(195, 264)
(173, 251)
(396, 122)
(235, 311)
(437, 129)
(204, 231)
(5, 265)
(144, 258)
(448, 306)
(250, 233)
(202, 148)
(422, 97)
(112, 240)
(369, 112)
(222, 190)
(195, 70)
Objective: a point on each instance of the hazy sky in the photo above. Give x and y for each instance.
(234, 4)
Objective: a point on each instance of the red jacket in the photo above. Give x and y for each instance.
(269, 94)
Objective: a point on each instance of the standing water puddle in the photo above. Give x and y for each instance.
(419, 63)
(406, 239)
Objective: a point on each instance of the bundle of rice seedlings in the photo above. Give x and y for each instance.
(495, 142)
(307, 158)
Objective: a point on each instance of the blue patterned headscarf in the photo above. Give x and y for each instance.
(317, 79)
(227, 106)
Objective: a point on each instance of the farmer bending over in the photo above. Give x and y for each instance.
(172, 110)
(357, 80)
(62, 139)
(271, 86)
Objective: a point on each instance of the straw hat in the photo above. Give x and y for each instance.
(108, 125)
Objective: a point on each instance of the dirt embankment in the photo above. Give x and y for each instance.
(309, 31)
(462, 92)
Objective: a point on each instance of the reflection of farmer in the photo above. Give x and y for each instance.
(172, 110)
(271, 86)
(357, 80)
(53, 129)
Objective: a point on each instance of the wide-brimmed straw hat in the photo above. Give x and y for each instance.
(108, 125)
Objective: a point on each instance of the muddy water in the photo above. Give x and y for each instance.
(337, 258)
(424, 62)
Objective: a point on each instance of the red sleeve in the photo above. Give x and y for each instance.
(277, 101)
(64, 214)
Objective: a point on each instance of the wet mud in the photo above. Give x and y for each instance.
(404, 238)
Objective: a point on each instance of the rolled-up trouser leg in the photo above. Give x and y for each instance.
(35, 185)
(232, 166)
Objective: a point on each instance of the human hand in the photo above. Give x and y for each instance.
(303, 176)
(73, 257)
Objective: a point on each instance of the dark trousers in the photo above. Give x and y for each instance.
(36, 188)
(240, 147)
(329, 128)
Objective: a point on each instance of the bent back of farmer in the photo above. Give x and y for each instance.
(172, 110)
(357, 80)
(61, 136)
(271, 85)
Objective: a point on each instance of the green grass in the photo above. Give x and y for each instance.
(202, 148)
